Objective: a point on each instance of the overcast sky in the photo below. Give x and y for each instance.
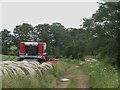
(70, 14)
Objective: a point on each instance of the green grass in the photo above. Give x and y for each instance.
(8, 58)
(73, 84)
(48, 80)
(101, 75)
(89, 57)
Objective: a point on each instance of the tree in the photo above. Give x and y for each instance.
(7, 41)
(59, 38)
(103, 28)
(75, 47)
(43, 33)
(23, 32)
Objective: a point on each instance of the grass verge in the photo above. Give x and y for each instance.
(8, 57)
(48, 79)
(101, 75)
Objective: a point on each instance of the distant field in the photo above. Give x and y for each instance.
(8, 57)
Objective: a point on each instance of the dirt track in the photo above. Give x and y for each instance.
(81, 79)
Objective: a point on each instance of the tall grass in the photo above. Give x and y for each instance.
(47, 80)
(101, 75)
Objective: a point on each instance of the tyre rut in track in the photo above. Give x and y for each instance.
(81, 79)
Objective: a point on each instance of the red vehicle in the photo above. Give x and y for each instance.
(33, 50)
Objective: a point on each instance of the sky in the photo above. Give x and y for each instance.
(69, 14)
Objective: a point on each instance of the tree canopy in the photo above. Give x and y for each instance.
(98, 35)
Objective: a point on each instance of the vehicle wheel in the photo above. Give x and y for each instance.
(40, 61)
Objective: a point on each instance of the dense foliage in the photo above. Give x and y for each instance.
(98, 36)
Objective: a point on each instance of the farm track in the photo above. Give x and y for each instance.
(12, 69)
(81, 79)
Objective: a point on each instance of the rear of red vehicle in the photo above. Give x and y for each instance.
(32, 50)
